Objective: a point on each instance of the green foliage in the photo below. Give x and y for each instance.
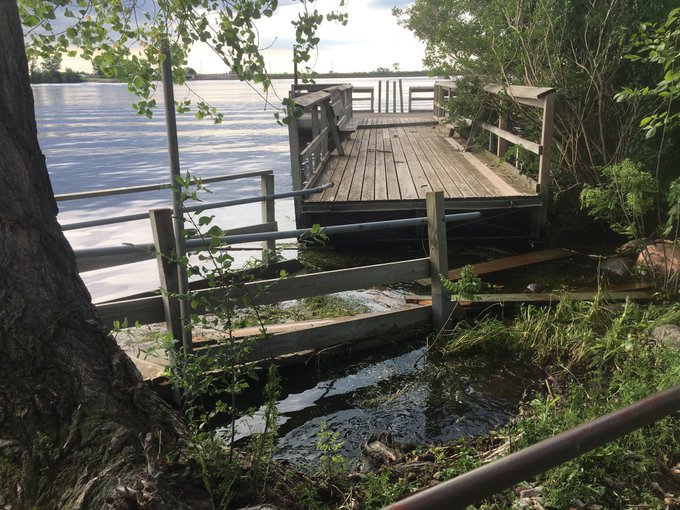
(600, 359)
(658, 44)
(623, 199)
(575, 46)
(125, 40)
(332, 464)
(467, 285)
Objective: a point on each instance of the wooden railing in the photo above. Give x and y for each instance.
(500, 136)
(326, 113)
(415, 97)
(160, 308)
(363, 99)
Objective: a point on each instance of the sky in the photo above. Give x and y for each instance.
(371, 39)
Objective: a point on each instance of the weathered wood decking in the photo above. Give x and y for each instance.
(393, 160)
(382, 165)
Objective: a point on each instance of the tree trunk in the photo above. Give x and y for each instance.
(78, 427)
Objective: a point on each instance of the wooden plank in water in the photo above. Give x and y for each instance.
(407, 187)
(543, 297)
(338, 331)
(515, 261)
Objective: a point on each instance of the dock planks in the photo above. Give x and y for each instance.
(396, 158)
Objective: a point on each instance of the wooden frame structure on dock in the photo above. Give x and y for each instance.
(382, 165)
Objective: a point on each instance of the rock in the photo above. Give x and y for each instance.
(629, 249)
(617, 269)
(376, 452)
(411, 476)
(533, 492)
(534, 288)
(667, 335)
(662, 258)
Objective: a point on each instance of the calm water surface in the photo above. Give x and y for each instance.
(92, 139)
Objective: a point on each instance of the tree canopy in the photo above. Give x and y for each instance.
(124, 39)
(576, 46)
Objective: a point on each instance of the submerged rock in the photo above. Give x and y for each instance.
(617, 269)
(534, 288)
(376, 452)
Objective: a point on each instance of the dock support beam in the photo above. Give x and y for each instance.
(439, 263)
(268, 215)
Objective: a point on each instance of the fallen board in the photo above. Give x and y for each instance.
(544, 297)
(503, 264)
(330, 332)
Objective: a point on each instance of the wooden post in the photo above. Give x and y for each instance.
(372, 100)
(439, 263)
(394, 96)
(295, 167)
(164, 242)
(316, 129)
(544, 158)
(379, 96)
(387, 96)
(401, 97)
(268, 214)
(502, 145)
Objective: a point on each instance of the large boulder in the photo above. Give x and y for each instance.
(662, 258)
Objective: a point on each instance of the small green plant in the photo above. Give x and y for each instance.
(623, 199)
(332, 463)
(467, 285)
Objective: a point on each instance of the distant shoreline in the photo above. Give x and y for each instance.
(285, 76)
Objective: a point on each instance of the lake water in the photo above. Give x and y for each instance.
(93, 139)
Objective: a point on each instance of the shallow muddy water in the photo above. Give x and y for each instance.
(420, 398)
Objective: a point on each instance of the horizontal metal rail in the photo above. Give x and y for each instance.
(487, 480)
(214, 205)
(197, 244)
(155, 187)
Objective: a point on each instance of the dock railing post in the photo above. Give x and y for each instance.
(164, 242)
(379, 96)
(442, 306)
(295, 167)
(387, 96)
(401, 97)
(268, 215)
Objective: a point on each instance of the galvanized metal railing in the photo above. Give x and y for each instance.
(487, 480)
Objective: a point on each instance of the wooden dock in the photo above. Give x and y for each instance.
(385, 164)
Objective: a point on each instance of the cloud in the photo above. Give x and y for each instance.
(388, 4)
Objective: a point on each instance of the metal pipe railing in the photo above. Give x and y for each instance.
(214, 205)
(154, 187)
(197, 244)
(487, 480)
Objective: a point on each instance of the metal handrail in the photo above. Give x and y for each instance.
(197, 244)
(154, 187)
(200, 207)
(487, 480)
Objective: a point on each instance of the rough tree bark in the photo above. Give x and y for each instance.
(78, 428)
